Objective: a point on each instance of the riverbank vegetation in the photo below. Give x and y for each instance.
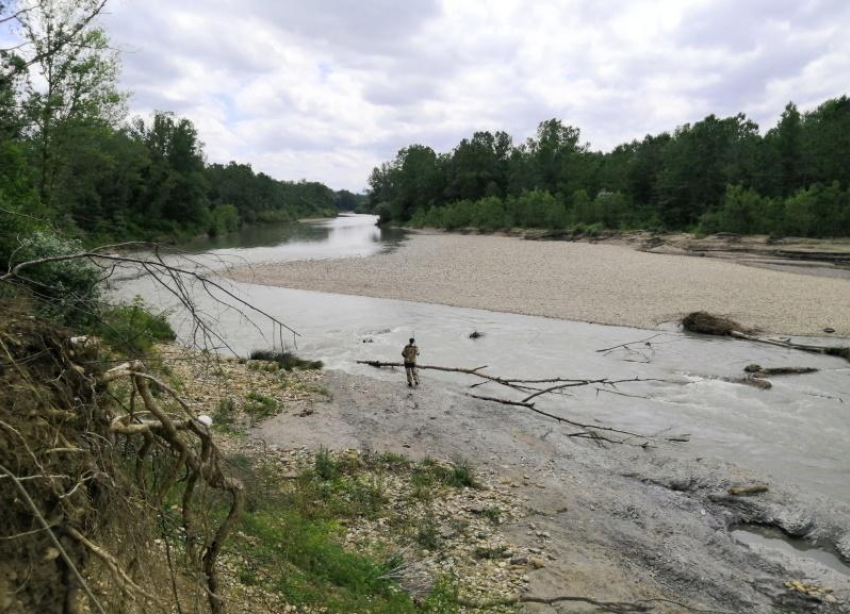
(715, 175)
(69, 154)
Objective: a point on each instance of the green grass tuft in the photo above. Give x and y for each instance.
(286, 360)
(259, 406)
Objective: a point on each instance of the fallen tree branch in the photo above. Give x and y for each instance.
(589, 431)
(619, 607)
(172, 278)
(625, 345)
(720, 326)
(759, 371)
(379, 364)
(590, 428)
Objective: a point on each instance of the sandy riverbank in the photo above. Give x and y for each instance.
(606, 284)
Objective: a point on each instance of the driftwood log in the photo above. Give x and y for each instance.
(744, 491)
(708, 324)
(759, 371)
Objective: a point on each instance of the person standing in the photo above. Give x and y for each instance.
(410, 352)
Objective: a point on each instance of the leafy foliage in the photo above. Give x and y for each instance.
(67, 153)
(285, 360)
(132, 329)
(718, 174)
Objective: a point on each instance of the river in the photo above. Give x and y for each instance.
(797, 432)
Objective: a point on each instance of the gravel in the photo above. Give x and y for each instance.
(606, 284)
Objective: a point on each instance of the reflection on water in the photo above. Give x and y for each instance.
(264, 235)
(341, 237)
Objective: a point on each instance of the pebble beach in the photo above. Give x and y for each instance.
(604, 284)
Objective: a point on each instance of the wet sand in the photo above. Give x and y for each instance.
(612, 522)
(604, 284)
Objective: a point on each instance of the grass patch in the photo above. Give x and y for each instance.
(498, 552)
(259, 406)
(493, 514)
(423, 484)
(307, 566)
(428, 534)
(289, 538)
(326, 466)
(286, 360)
(225, 415)
(459, 474)
(393, 460)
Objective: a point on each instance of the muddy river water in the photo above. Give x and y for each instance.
(797, 432)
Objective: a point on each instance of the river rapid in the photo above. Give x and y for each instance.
(797, 432)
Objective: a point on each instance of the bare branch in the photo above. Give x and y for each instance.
(58, 43)
(45, 526)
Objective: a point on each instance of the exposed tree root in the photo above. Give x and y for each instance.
(202, 466)
(56, 543)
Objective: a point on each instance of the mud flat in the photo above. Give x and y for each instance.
(613, 523)
(599, 283)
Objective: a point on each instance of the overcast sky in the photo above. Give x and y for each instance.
(327, 89)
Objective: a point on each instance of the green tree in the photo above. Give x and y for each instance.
(223, 219)
(75, 91)
(175, 188)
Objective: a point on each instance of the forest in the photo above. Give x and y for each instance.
(70, 155)
(715, 175)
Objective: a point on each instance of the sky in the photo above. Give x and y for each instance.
(325, 90)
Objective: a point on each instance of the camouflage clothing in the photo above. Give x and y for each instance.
(410, 352)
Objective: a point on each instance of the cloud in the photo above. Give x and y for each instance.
(327, 89)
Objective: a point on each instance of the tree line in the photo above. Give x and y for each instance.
(718, 174)
(68, 154)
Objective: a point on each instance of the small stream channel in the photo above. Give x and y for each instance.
(768, 537)
(798, 432)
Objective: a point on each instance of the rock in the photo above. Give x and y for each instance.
(751, 489)
(843, 546)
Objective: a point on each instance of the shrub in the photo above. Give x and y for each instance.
(286, 360)
(327, 468)
(68, 289)
(384, 213)
(428, 533)
(132, 329)
(223, 219)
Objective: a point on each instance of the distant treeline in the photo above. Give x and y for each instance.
(68, 156)
(145, 180)
(719, 174)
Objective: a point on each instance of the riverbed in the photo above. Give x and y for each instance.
(796, 432)
(597, 283)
